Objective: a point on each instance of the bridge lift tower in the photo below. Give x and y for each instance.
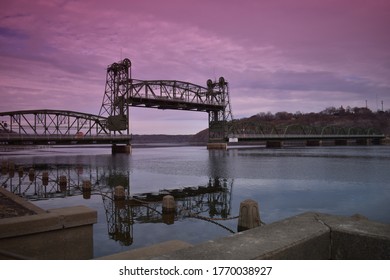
(122, 91)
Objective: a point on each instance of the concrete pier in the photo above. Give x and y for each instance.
(249, 216)
(168, 209)
(168, 204)
(56, 234)
(119, 193)
(274, 144)
(121, 149)
(217, 146)
(87, 189)
(385, 141)
(341, 142)
(363, 142)
(313, 143)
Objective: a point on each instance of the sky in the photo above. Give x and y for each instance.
(277, 55)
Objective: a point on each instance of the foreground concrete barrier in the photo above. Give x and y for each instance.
(309, 236)
(61, 234)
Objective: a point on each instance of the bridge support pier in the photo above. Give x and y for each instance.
(274, 144)
(217, 146)
(363, 142)
(121, 149)
(341, 142)
(313, 143)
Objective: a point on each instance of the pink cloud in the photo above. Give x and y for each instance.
(276, 54)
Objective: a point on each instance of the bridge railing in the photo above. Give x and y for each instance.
(303, 136)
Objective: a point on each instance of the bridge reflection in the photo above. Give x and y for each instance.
(210, 202)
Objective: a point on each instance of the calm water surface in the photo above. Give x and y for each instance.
(285, 182)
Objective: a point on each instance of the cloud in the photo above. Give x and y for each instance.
(276, 55)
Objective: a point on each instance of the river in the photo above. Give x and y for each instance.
(209, 186)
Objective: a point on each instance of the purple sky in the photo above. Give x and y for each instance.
(277, 55)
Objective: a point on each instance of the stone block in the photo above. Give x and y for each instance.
(298, 237)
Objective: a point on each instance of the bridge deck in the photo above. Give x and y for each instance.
(11, 139)
(172, 104)
(276, 137)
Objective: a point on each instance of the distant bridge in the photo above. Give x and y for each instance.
(257, 132)
(111, 125)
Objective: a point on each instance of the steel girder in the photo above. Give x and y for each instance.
(52, 122)
(55, 127)
(122, 91)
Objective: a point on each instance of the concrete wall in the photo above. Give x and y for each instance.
(307, 236)
(64, 233)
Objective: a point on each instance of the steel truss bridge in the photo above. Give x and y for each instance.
(111, 125)
(121, 91)
(250, 131)
(55, 127)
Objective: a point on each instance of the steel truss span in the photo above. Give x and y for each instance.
(176, 95)
(122, 91)
(55, 127)
(256, 130)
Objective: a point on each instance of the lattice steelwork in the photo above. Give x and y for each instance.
(251, 131)
(123, 91)
(113, 105)
(54, 127)
(218, 120)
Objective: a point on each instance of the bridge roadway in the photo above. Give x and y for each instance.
(297, 137)
(58, 139)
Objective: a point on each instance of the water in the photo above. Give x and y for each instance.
(285, 182)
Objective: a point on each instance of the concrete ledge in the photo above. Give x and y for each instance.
(52, 220)
(75, 216)
(64, 233)
(283, 239)
(302, 237)
(357, 238)
(149, 252)
(18, 226)
(21, 201)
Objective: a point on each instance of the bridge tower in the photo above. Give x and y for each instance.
(114, 105)
(218, 119)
